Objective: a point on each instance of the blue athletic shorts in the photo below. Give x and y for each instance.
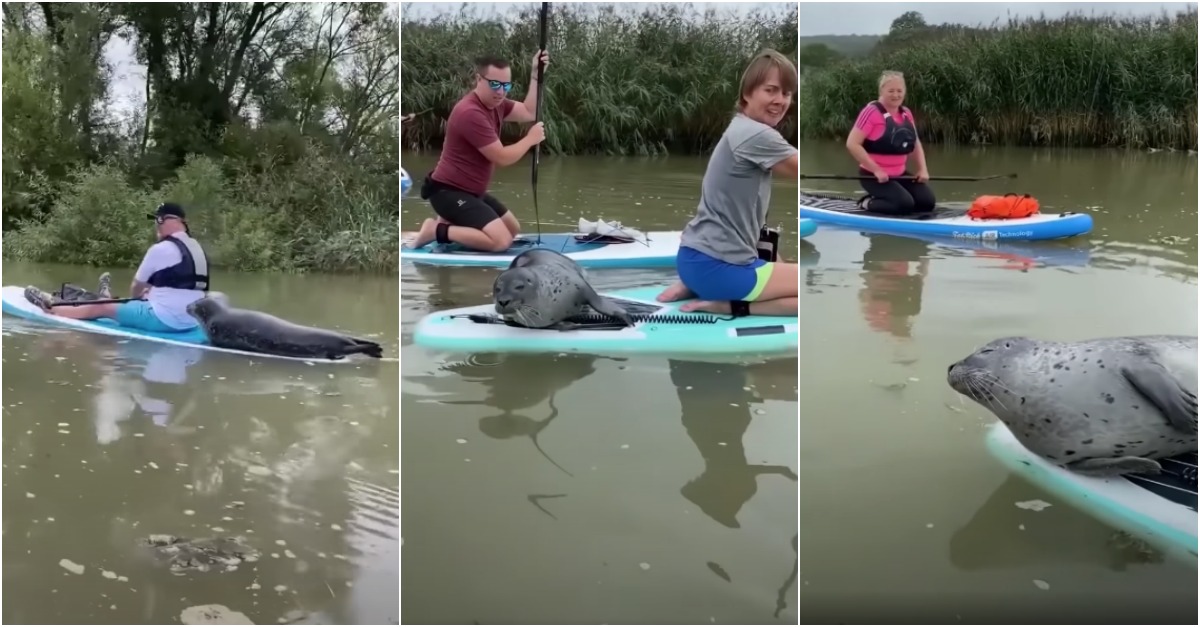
(138, 314)
(713, 279)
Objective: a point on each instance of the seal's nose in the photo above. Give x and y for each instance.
(502, 303)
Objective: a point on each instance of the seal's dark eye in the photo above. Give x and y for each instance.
(1007, 345)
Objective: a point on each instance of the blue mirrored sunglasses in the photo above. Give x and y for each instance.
(494, 84)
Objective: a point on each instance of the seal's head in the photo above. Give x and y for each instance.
(998, 370)
(513, 292)
(205, 308)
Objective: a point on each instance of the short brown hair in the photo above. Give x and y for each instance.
(484, 62)
(760, 67)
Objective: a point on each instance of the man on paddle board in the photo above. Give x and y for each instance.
(172, 275)
(883, 137)
(718, 258)
(458, 186)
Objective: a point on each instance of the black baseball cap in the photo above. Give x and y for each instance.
(167, 209)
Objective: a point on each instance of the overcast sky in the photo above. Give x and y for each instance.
(874, 18)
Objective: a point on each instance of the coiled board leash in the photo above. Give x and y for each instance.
(601, 322)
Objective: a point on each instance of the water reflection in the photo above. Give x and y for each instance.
(1000, 535)
(893, 276)
(717, 406)
(108, 440)
(507, 377)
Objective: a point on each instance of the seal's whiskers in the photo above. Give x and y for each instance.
(528, 316)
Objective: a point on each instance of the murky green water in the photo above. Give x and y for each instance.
(107, 441)
(904, 515)
(575, 489)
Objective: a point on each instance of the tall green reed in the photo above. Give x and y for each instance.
(1072, 81)
(656, 82)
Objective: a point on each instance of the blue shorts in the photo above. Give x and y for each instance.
(713, 279)
(138, 314)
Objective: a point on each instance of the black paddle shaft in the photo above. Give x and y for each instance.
(868, 177)
(537, 113)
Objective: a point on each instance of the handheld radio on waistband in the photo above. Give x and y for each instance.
(768, 244)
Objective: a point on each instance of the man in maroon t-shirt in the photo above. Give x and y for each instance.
(458, 186)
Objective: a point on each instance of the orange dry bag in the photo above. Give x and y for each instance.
(1006, 207)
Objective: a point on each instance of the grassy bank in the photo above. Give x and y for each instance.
(1074, 81)
(619, 83)
(273, 124)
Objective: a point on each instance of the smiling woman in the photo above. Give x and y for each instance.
(719, 255)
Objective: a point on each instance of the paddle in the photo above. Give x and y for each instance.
(868, 177)
(101, 301)
(537, 114)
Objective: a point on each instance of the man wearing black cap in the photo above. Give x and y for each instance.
(172, 275)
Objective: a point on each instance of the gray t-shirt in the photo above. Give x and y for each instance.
(736, 192)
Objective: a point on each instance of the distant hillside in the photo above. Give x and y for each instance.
(846, 45)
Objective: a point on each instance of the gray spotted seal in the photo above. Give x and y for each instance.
(257, 332)
(542, 288)
(1099, 407)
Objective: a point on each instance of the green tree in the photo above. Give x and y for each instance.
(908, 21)
(276, 122)
(817, 56)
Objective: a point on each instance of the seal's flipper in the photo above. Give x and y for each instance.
(366, 347)
(1158, 386)
(1115, 466)
(607, 307)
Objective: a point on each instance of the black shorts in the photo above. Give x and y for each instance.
(462, 208)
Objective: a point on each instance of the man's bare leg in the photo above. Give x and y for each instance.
(74, 312)
(494, 237)
(511, 223)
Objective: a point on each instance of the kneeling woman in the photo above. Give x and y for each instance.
(883, 136)
(718, 255)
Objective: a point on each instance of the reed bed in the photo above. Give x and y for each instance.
(1073, 81)
(660, 81)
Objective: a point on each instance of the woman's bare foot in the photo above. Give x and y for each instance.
(708, 306)
(676, 292)
(427, 234)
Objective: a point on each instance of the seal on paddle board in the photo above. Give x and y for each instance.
(254, 331)
(1100, 407)
(542, 288)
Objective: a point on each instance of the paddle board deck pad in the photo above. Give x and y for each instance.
(1160, 510)
(588, 250)
(15, 304)
(942, 221)
(807, 227)
(660, 329)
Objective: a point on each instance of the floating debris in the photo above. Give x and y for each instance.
(1041, 584)
(213, 615)
(71, 566)
(185, 554)
(1036, 505)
